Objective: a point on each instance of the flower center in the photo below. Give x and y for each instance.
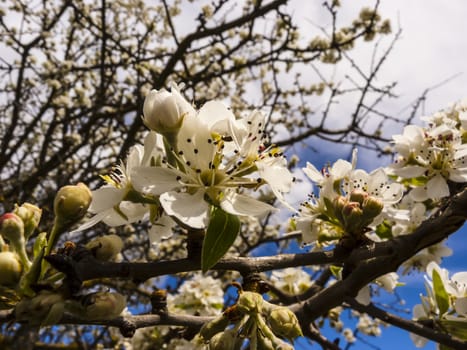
(212, 177)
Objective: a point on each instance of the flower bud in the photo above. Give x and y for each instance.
(284, 323)
(358, 196)
(12, 228)
(71, 203)
(10, 269)
(250, 302)
(352, 214)
(223, 341)
(105, 248)
(372, 207)
(339, 203)
(162, 113)
(31, 215)
(102, 306)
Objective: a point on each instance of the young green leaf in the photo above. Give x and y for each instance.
(221, 233)
(441, 296)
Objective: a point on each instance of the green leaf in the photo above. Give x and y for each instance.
(221, 233)
(456, 327)
(441, 296)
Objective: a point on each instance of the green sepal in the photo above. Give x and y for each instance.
(137, 197)
(40, 243)
(33, 274)
(441, 296)
(384, 230)
(221, 233)
(336, 271)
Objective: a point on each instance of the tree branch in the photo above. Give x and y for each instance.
(411, 326)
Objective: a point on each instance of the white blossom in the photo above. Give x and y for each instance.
(213, 161)
(291, 280)
(201, 295)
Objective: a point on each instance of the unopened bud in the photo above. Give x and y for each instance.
(71, 203)
(102, 306)
(352, 214)
(31, 215)
(105, 248)
(223, 341)
(339, 203)
(284, 323)
(250, 302)
(358, 196)
(162, 113)
(12, 228)
(372, 207)
(10, 269)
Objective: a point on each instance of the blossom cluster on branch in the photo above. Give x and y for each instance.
(203, 170)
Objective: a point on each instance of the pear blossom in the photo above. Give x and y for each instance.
(291, 280)
(446, 304)
(432, 155)
(388, 282)
(420, 261)
(376, 184)
(164, 111)
(211, 168)
(350, 200)
(369, 326)
(111, 203)
(202, 295)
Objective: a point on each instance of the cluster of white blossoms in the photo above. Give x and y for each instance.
(349, 201)
(197, 163)
(192, 161)
(429, 157)
(392, 201)
(445, 302)
(200, 295)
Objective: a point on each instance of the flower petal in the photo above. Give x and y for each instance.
(105, 198)
(460, 304)
(161, 229)
(89, 223)
(364, 296)
(239, 204)
(132, 212)
(313, 173)
(437, 187)
(341, 168)
(157, 180)
(190, 209)
(216, 116)
(419, 194)
(308, 228)
(409, 171)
